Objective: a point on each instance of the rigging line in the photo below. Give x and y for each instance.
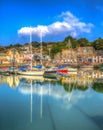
(41, 44)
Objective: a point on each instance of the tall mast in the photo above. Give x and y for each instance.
(31, 45)
(41, 44)
(70, 49)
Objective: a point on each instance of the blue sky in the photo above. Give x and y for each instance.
(56, 19)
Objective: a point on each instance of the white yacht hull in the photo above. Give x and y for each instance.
(31, 73)
(72, 71)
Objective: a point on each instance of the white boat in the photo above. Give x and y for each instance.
(72, 70)
(31, 71)
(33, 78)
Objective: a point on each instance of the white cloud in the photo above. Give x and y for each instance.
(67, 23)
(35, 30)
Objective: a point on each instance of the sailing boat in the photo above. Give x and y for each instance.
(33, 72)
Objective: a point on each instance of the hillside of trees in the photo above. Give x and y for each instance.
(55, 47)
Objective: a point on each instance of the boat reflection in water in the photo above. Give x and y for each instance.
(56, 104)
(30, 85)
(81, 80)
(11, 80)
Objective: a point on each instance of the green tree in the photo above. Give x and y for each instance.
(82, 42)
(98, 44)
(72, 40)
(56, 48)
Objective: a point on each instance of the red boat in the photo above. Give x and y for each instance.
(65, 71)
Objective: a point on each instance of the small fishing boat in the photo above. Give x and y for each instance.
(4, 71)
(50, 72)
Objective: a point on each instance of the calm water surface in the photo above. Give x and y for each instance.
(47, 104)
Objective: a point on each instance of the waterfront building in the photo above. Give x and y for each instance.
(85, 54)
(80, 55)
(99, 57)
(4, 58)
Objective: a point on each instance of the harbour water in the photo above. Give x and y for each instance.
(37, 103)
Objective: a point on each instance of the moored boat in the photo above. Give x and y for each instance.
(30, 71)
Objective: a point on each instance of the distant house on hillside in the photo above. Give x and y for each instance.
(98, 58)
(69, 56)
(26, 48)
(85, 54)
(66, 56)
(4, 58)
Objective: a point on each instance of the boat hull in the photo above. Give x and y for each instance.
(50, 74)
(35, 78)
(31, 73)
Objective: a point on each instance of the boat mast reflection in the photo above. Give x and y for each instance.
(41, 102)
(69, 89)
(32, 85)
(31, 103)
